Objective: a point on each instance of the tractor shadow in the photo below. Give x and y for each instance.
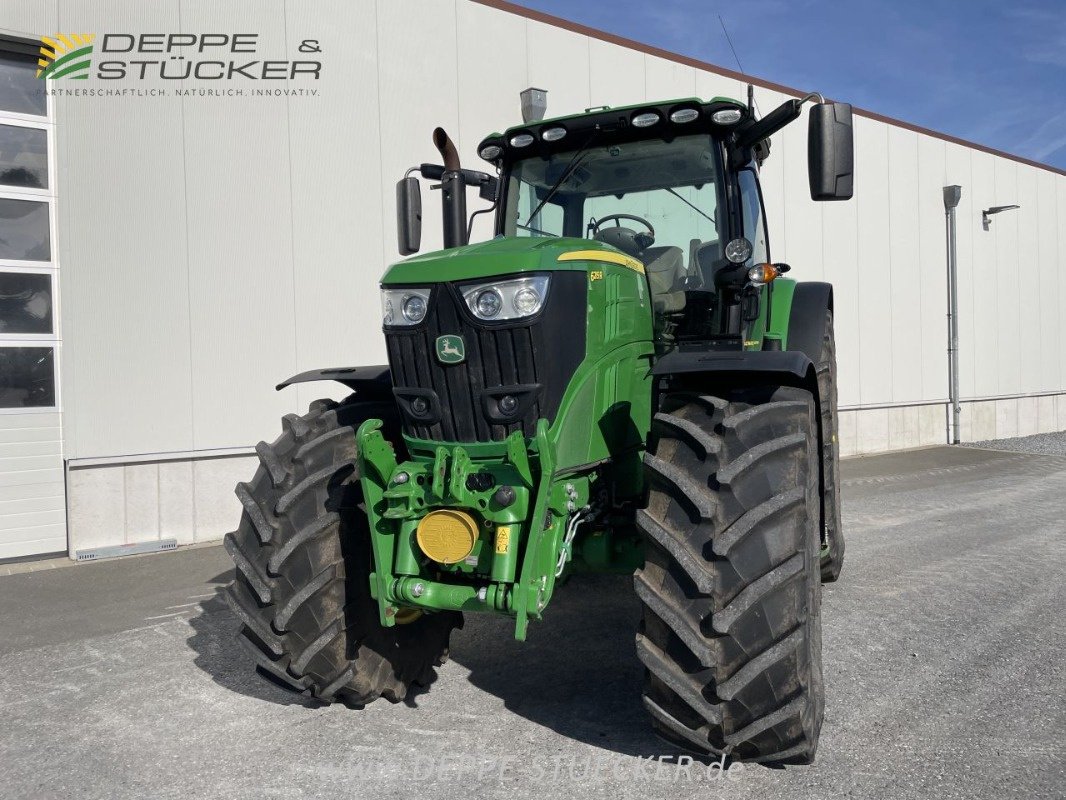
(224, 659)
(577, 673)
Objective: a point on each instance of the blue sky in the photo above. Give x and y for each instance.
(992, 72)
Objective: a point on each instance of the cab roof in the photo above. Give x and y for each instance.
(613, 125)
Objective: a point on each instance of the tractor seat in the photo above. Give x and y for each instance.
(665, 268)
(707, 260)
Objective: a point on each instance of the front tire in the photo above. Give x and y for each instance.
(303, 559)
(731, 631)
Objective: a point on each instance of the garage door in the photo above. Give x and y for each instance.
(32, 516)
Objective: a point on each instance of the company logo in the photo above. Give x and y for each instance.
(65, 55)
(171, 57)
(451, 349)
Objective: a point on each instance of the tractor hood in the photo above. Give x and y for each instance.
(499, 256)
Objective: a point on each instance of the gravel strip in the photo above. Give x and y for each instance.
(1048, 444)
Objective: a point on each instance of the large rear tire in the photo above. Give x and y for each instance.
(832, 556)
(303, 560)
(731, 632)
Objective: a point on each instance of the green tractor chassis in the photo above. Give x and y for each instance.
(576, 396)
(532, 495)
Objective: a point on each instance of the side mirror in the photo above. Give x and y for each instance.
(408, 215)
(830, 151)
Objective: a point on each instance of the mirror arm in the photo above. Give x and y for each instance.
(487, 186)
(777, 119)
(434, 172)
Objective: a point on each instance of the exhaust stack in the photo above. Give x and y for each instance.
(453, 191)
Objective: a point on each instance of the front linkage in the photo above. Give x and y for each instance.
(449, 532)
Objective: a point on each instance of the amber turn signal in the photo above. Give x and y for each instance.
(763, 273)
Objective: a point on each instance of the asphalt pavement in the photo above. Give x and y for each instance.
(943, 648)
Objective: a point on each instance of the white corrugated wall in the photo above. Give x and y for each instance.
(212, 247)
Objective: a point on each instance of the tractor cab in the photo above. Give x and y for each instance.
(672, 185)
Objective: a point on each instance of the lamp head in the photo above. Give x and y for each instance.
(988, 212)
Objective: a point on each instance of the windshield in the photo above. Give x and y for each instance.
(671, 186)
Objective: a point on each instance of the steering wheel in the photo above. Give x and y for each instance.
(625, 239)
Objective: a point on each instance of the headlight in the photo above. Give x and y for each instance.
(645, 120)
(404, 306)
(683, 115)
(513, 299)
(414, 308)
(526, 300)
(487, 303)
(727, 116)
(738, 251)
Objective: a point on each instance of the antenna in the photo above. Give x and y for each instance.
(751, 91)
(726, 32)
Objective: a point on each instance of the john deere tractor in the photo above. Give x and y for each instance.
(621, 380)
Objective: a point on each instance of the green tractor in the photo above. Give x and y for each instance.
(620, 381)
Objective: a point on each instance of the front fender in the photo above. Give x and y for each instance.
(737, 367)
(807, 318)
(371, 383)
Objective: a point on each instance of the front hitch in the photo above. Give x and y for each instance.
(453, 532)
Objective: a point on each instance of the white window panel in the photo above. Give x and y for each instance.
(28, 376)
(27, 304)
(24, 162)
(25, 229)
(20, 90)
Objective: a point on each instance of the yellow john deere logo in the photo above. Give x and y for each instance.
(450, 349)
(65, 55)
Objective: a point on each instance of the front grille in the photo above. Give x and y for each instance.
(502, 358)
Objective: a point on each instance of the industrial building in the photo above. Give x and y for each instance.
(171, 248)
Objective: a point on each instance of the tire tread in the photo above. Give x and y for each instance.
(731, 635)
(302, 561)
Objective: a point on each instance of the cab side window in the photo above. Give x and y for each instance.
(754, 218)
